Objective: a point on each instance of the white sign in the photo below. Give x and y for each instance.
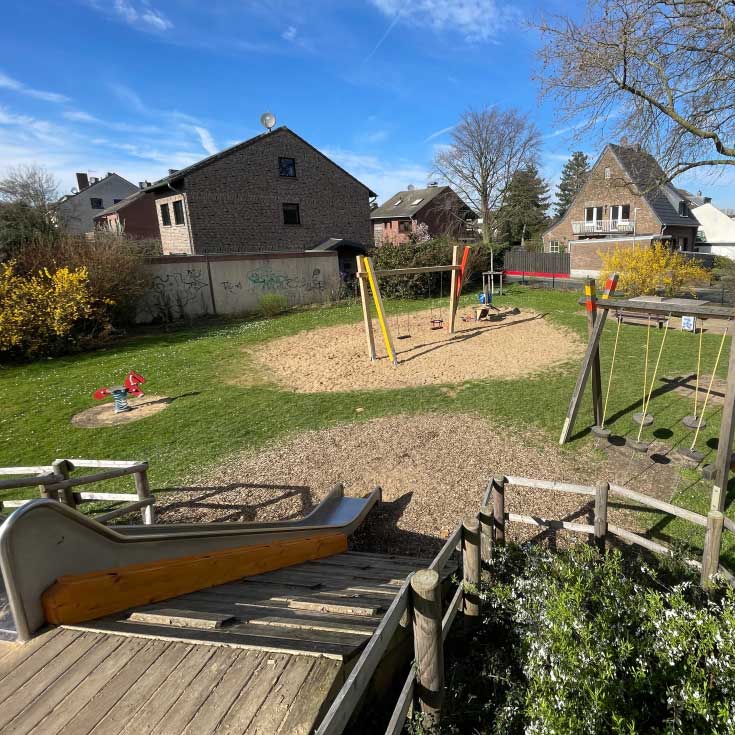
(688, 323)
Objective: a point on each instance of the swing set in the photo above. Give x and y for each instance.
(367, 277)
(652, 311)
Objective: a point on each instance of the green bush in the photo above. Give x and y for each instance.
(582, 643)
(270, 304)
(417, 255)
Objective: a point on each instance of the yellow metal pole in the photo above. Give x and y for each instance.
(365, 307)
(370, 270)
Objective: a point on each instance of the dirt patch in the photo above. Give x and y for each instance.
(335, 358)
(104, 414)
(432, 468)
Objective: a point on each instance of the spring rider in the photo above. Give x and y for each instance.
(120, 393)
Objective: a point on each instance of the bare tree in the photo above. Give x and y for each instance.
(488, 147)
(660, 73)
(32, 185)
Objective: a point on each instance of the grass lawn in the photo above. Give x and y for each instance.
(215, 415)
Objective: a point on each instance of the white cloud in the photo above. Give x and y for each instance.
(14, 85)
(439, 133)
(79, 116)
(129, 97)
(207, 140)
(290, 33)
(140, 15)
(476, 20)
(374, 136)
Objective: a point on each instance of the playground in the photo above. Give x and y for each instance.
(509, 345)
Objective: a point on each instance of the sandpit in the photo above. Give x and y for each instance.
(432, 468)
(335, 358)
(103, 414)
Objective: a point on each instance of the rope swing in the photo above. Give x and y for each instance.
(644, 418)
(695, 421)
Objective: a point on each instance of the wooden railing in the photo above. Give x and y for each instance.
(419, 601)
(56, 483)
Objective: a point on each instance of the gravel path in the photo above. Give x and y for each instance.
(432, 468)
(335, 359)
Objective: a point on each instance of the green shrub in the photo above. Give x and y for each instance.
(270, 304)
(581, 643)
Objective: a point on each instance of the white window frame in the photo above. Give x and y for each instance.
(554, 246)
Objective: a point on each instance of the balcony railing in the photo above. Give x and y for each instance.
(603, 227)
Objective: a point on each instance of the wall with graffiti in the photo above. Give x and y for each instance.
(184, 287)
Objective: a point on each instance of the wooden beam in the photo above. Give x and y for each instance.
(378, 301)
(590, 296)
(471, 571)
(74, 599)
(366, 318)
(668, 309)
(453, 291)
(412, 271)
(727, 434)
(712, 542)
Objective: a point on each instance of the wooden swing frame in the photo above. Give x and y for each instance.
(367, 277)
(591, 366)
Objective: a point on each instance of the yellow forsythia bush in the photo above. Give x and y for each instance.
(38, 313)
(653, 270)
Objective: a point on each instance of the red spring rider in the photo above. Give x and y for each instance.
(120, 393)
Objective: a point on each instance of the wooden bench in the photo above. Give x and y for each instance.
(634, 317)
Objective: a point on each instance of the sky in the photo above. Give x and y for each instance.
(141, 86)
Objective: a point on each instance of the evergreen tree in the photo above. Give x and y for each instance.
(523, 214)
(572, 177)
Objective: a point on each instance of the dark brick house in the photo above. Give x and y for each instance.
(134, 216)
(438, 207)
(625, 202)
(274, 192)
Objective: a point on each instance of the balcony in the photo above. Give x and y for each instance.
(604, 227)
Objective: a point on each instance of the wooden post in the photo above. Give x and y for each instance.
(727, 433)
(591, 308)
(64, 467)
(486, 533)
(144, 491)
(471, 571)
(601, 492)
(378, 301)
(427, 642)
(368, 322)
(712, 540)
(499, 484)
(453, 289)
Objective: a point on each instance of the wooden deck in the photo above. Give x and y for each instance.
(263, 655)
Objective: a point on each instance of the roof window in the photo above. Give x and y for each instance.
(417, 201)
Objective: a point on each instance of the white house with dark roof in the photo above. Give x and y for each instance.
(716, 230)
(76, 211)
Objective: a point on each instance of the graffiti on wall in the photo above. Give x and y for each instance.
(171, 295)
(264, 278)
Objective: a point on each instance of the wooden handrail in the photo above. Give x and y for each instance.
(662, 505)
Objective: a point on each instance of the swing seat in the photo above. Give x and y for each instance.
(643, 419)
(690, 455)
(692, 422)
(601, 431)
(437, 323)
(637, 446)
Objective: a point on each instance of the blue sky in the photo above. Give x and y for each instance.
(140, 86)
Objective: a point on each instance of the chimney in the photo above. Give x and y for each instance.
(410, 187)
(109, 173)
(172, 171)
(82, 181)
(707, 200)
(433, 183)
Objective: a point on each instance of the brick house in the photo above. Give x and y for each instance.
(76, 212)
(438, 207)
(135, 216)
(622, 204)
(274, 192)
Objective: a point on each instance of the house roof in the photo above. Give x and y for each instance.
(715, 225)
(121, 204)
(66, 197)
(407, 203)
(645, 172)
(332, 243)
(183, 172)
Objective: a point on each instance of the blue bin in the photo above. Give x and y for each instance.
(481, 298)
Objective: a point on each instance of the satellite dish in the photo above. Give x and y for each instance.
(268, 120)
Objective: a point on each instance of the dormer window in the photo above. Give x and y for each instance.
(397, 202)
(683, 209)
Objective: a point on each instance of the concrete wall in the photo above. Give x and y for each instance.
(184, 286)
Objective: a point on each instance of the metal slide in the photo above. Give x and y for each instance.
(44, 540)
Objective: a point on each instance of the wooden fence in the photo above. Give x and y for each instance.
(419, 601)
(533, 263)
(56, 483)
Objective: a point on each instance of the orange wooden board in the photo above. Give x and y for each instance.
(74, 599)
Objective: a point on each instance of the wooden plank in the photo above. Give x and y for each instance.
(344, 704)
(635, 538)
(126, 510)
(591, 308)
(147, 703)
(550, 523)
(453, 296)
(369, 561)
(712, 543)
(560, 487)
(314, 697)
(343, 608)
(63, 689)
(420, 269)
(27, 481)
(30, 470)
(405, 700)
(91, 686)
(122, 497)
(181, 618)
(364, 301)
(43, 678)
(662, 505)
(221, 697)
(307, 579)
(454, 605)
(726, 436)
(251, 698)
(382, 320)
(449, 548)
(74, 599)
(281, 696)
(665, 308)
(105, 463)
(323, 623)
(98, 476)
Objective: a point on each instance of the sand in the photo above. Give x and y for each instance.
(103, 414)
(335, 358)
